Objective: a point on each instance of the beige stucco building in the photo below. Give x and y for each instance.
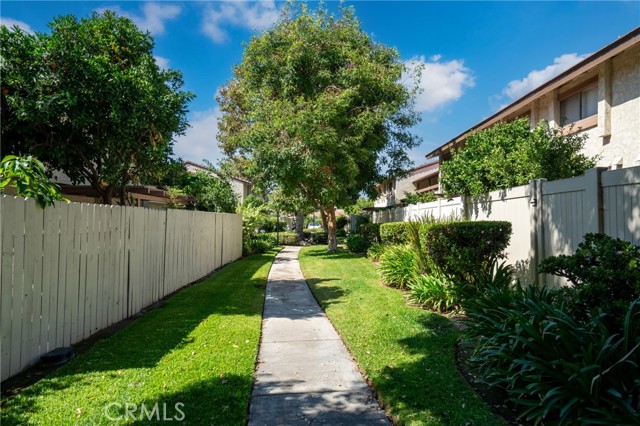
(421, 179)
(598, 97)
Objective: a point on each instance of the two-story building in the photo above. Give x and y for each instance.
(598, 97)
(421, 179)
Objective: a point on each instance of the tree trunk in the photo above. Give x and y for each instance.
(300, 225)
(323, 215)
(107, 194)
(331, 227)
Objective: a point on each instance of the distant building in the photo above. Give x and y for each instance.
(421, 179)
(598, 97)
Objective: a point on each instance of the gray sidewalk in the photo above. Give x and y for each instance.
(305, 375)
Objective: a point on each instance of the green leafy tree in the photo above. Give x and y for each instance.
(29, 178)
(89, 99)
(359, 206)
(317, 107)
(510, 154)
(211, 193)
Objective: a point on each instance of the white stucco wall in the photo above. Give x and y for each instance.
(624, 138)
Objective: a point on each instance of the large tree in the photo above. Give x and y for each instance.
(318, 108)
(89, 99)
(510, 154)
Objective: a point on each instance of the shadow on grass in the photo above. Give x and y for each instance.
(328, 294)
(431, 383)
(234, 290)
(340, 253)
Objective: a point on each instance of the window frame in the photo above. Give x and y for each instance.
(584, 122)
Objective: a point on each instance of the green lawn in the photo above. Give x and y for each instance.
(198, 350)
(406, 352)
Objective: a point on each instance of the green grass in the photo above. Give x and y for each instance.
(198, 350)
(406, 352)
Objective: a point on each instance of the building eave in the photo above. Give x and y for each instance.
(609, 51)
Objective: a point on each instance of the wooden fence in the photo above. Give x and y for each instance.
(548, 217)
(71, 270)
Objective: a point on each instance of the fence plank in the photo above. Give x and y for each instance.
(11, 223)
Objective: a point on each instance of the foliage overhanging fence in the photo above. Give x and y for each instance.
(71, 270)
(549, 218)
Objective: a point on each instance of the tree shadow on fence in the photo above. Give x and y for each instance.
(236, 290)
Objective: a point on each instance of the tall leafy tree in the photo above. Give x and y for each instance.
(510, 154)
(317, 107)
(89, 99)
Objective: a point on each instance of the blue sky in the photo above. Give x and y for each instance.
(478, 56)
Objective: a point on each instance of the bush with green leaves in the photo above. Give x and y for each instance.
(398, 266)
(464, 250)
(375, 251)
(434, 291)
(257, 243)
(316, 237)
(28, 176)
(394, 233)
(356, 243)
(370, 232)
(415, 198)
(283, 238)
(605, 273)
(558, 369)
(342, 222)
(510, 154)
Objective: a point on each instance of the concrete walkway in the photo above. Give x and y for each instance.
(305, 375)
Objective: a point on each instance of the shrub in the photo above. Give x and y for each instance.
(375, 251)
(342, 222)
(560, 370)
(259, 243)
(284, 238)
(370, 232)
(394, 233)
(434, 291)
(415, 198)
(316, 237)
(356, 243)
(398, 266)
(605, 273)
(466, 249)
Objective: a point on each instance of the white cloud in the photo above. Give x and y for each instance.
(441, 82)
(10, 23)
(258, 15)
(200, 141)
(154, 16)
(518, 88)
(162, 62)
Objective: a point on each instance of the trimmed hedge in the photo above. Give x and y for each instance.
(466, 249)
(370, 232)
(394, 233)
(284, 238)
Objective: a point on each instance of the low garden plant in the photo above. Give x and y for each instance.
(407, 353)
(434, 291)
(565, 356)
(398, 266)
(375, 252)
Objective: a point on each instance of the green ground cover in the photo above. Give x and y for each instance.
(198, 350)
(406, 352)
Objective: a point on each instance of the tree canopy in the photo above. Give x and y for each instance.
(317, 107)
(510, 154)
(89, 99)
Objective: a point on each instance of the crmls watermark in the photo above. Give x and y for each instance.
(134, 411)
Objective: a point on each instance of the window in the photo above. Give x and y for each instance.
(579, 105)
